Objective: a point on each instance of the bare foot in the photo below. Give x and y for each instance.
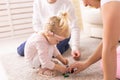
(46, 72)
(50, 73)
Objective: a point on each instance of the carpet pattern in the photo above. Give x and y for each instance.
(17, 69)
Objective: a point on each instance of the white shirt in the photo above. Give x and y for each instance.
(105, 1)
(42, 10)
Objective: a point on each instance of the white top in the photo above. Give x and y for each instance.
(39, 52)
(42, 10)
(105, 1)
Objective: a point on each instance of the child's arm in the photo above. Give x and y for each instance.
(59, 68)
(59, 56)
(62, 59)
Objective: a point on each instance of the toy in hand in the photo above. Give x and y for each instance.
(68, 73)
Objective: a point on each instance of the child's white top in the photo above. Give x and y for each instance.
(42, 10)
(38, 46)
(105, 1)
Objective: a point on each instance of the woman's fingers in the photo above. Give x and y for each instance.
(72, 68)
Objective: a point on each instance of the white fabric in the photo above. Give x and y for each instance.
(105, 1)
(39, 52)
(42, 10)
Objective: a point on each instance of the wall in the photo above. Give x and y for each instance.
(16, 17)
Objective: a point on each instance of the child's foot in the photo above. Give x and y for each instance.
(47, 72)
(50, 73)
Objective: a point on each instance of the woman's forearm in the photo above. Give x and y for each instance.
(96, 55)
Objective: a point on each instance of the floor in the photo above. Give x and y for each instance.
(2, 73)
(13, 67)
(9, 45)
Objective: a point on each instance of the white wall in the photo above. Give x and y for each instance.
(15, 17)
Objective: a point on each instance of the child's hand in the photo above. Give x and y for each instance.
(60, 68)
(65, 61)
(77, 67)
(62, 59)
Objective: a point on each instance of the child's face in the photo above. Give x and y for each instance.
(55, 39)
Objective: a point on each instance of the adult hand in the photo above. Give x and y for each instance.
(77, 66)
(92, 3)
(76, 54)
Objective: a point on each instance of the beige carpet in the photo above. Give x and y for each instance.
(17, 69)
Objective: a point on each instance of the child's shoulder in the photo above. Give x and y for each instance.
(36, 37)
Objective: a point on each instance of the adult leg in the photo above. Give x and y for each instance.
(111, 31)
(20, 49)
(63, 45)
(118, 63)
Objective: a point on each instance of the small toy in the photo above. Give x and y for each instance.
(68, 73)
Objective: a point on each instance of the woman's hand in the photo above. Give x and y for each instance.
(77, 67)
(92, 3)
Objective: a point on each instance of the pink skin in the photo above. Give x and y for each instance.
(92, 3)
(51, 1)
(75, 54)
(107, 48)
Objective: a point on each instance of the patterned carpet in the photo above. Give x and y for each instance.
(17, 69)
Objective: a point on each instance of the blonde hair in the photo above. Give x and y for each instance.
(59, 25)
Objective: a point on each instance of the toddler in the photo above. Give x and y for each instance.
(41, 48)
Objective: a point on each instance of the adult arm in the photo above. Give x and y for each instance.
(36, 17)
(81, 65)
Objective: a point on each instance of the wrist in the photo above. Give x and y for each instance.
(74, 48)
(60, 68)
(87, 63)
(65, 61)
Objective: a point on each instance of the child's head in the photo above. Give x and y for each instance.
(59, 25)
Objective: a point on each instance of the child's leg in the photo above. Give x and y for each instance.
(63, 45)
